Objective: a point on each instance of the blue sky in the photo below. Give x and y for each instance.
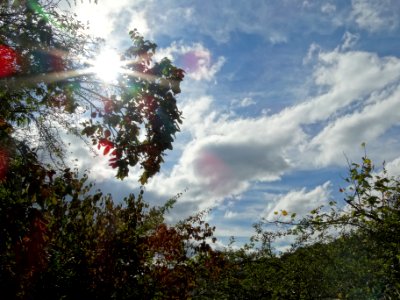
(277, 95)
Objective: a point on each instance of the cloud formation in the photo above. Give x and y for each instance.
(319, 68)
(228, 154)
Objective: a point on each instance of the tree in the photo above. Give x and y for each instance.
(45, 84)
(62, 240)
(59, 238)
(350, 250)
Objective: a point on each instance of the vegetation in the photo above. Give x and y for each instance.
(61, 242)
(59, 238)
(340, 252)
(62, 239)
(47, 83)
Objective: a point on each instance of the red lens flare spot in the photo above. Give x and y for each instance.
(192, 60)
(214, 170)
(8, 61)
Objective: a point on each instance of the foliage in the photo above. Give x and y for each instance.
(47, 82)
(372, 213)
(61, 240)
(348, 251)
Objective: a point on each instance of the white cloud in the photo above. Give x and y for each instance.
(225, 156)
(361, 100)
(358, 73)
(230, 214)
(375, 15)
(245, 102)
(234, 230)
(277, 38)
(220, 20)
(301, 201)
(353, 129)
(88, 159)
(99, 16)
(312, 53)
(139, 21)
(195, 59)
(393, 167)
(328, 8)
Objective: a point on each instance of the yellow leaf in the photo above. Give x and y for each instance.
(284, 213)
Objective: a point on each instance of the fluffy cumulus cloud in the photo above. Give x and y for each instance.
(300, 202)
(224, 156)
(362, 96)
(227, 154)
(365, 125)
(393, 167)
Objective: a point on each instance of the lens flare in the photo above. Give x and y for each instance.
(192, 60)
(214, 170)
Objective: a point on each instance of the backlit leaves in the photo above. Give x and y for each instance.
(142, 118)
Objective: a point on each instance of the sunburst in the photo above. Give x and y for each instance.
(107, 66)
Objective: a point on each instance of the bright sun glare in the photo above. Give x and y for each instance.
(107, 66)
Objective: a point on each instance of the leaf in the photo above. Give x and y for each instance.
(106, 150)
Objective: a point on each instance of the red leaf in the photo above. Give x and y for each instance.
(106, 150)
(8, 61)
(113, 165)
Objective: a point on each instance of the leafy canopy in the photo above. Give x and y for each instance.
(47, 82)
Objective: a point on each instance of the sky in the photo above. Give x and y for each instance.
(278, 98)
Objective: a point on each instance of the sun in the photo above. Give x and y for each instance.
(108, 65)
